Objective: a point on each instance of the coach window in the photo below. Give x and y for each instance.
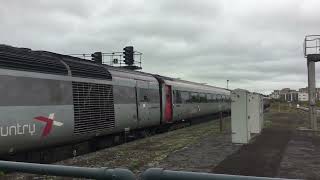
(209, 98)
(203, 98)
(185, 97)
(178, 99)
(214, 97)
(194, 97)
(223, 97)
(228, 99)
(218, 97)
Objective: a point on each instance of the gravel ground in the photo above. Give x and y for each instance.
(151, 152)
(197, 147)
(202, 156)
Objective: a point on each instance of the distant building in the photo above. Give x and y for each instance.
(285, 94)
(303, 90)
(275, 94)
(306, 89)
(290, 95)
(303, 96)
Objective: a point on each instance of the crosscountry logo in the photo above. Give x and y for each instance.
(50, 121)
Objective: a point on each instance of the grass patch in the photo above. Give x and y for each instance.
(283, 107)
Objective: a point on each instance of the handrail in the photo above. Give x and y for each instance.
(68, 171)
(117, 173)
(308, 44)
(161, 174)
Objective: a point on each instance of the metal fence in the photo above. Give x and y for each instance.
(117, 173)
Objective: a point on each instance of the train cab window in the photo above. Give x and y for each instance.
(185, 97)
(149, 95)
(143, 95)
(155, 96)
(203, 98)
(124, 95)
(194, 97)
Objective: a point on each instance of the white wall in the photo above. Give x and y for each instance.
(302, 96)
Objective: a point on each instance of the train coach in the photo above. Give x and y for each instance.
(185, 99)
(49, 99)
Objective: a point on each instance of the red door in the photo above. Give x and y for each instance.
(168, 110)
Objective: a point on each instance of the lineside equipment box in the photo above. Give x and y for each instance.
(246, 115)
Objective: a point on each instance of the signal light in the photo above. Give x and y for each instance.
(97, 57)
(128, 55)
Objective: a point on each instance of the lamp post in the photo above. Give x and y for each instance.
(227, 83)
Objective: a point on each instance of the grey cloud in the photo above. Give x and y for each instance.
(255, 44)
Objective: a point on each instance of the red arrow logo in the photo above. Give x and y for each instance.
(48, 127)
(49, 122)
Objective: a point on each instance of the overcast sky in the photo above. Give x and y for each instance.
(255, 44)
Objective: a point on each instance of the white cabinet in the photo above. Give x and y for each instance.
(246, 115)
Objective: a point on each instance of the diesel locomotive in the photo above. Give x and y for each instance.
(50, 99)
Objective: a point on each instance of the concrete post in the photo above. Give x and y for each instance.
(312, 94)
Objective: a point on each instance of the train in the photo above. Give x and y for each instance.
(50, 99)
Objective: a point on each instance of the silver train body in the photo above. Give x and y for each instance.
(49, 99)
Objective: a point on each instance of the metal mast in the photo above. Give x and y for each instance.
(312, 53)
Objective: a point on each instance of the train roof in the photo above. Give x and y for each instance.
(181, 81)
(54, 63)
